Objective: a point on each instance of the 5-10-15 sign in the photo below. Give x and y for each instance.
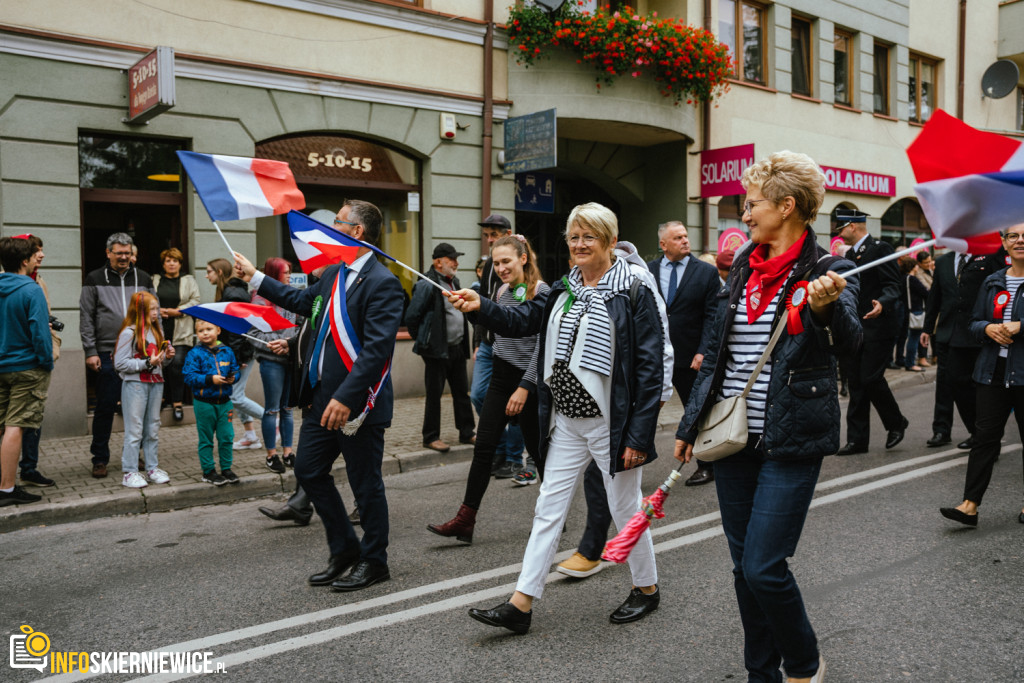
(340, 161)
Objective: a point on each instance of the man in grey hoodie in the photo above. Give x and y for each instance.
(104, 304)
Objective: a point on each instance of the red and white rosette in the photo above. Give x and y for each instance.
(1002, 298)
(795, 301)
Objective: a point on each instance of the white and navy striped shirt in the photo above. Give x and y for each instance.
(745, 345)
(519, 351)
(1012, 285)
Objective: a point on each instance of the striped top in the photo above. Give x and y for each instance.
(1012, 285)
(519, 351)
(597, 344)
(745, 344)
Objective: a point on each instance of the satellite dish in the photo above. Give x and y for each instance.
(1000, 79)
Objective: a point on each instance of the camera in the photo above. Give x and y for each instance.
(57, 325)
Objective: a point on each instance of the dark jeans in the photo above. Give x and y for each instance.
(505, 379)
(599, 517)
(108, 393)
(953, 385)
(30, 450)
(174, 382)
(363, 452)
(995, 402)
(868, 388)
(764, 505)
(436, 371)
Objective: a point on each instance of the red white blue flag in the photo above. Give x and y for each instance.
(317, 245)
(970, 183)
(238, 317)
(233, 188)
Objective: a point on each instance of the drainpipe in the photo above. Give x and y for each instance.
(960, 42)
(705, 137)
(488, 133)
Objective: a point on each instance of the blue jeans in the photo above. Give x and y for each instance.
(276, 380)
(30, 450)
(764, 505)
(246, 408)
(140, 407)
(510, 444)
(914, 347)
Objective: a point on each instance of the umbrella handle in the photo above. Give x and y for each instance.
(673, 476)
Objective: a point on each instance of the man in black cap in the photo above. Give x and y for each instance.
(879, 292)
(442, 339)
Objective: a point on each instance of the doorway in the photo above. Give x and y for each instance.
(153, 223)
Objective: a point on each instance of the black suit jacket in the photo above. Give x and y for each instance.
(374, 303)
(882, 283)
(951, 303)
(692, 310)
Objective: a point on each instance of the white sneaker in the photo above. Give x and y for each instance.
(133, 480)
(247, 444)
(157, 476)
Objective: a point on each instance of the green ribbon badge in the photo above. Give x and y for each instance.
(318, 303)
(571, 299)
(519, 293)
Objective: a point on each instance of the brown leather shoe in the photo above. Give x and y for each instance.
(99, 470)
(438, 445)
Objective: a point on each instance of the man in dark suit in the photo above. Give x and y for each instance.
(879, 291)
(332, 393)
(689, 287)
(958, 277)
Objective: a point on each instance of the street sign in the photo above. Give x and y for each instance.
(530, 142)
(535, 192)
(151, 85)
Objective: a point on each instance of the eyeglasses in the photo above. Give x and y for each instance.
(586, 239)
(338, 221)
(1012, 237)
(750, 203)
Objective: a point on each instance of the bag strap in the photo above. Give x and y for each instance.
(779, 327)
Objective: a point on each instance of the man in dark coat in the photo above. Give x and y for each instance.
(442, 340)
(689, 287)
(879, 291)
(958, 277)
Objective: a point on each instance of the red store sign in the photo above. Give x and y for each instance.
(859, 182)
(151, 85)
(721, 170)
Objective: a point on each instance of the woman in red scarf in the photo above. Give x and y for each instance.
(783, 278)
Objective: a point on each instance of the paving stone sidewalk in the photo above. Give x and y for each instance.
(77, 496)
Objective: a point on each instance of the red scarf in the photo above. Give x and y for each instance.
(767, 275)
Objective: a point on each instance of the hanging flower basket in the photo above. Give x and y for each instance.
(686, 62)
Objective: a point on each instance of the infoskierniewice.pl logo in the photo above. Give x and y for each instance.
(30, 649)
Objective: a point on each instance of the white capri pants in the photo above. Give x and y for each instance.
(574, 442)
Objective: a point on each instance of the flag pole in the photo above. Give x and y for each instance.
(230, 250)
(420, 275)
(256, 339)
(890, 257)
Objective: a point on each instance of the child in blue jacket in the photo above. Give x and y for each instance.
(210, 370)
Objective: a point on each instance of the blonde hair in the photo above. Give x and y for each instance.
(598, 219)
(789, 174)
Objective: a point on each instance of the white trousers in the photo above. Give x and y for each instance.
(574, 442)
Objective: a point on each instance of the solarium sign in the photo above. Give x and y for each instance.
(859, 182)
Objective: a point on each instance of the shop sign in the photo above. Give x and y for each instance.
(721, 170)
(535, 192)
(151, 85)
(327, 158)
(530, 142)
(731, 240)
(859, 182)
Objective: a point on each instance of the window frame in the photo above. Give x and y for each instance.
(883, 76)
(915, 67)
(810, 56)
(739, 53)
(848, 39)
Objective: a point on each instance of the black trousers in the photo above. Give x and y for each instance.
(505, 379)
(174, 382)
(995, 401)
(437, 371)
(363, 452)
(866, 373)
(953, 385)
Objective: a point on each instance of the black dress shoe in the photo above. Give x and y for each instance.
(958, 516)
(894, 436)
(363, 575)
(637, 606)
(703, 475)
(505, 615)
(967, 444)
(852, 449)
(938, 440)
(286, 513)
(335, 568)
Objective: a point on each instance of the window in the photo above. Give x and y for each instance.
(881, 79)
(741, 27)
(842, 77)
(921, 88)
(801, 56)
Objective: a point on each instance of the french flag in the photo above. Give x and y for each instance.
(238, 317)
(233, 188)
(970, 183)
(317, 245)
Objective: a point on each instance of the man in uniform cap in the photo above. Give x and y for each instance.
(879, 291)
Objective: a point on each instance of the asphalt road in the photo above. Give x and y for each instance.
(895, 592)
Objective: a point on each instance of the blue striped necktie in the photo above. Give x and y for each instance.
(321, 335)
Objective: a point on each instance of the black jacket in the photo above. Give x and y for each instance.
(883, 284)
(983, 316)
(636, 376)
(692, 310)
(425, 318)
(802, 417)
(237, 290)
(950, 307)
